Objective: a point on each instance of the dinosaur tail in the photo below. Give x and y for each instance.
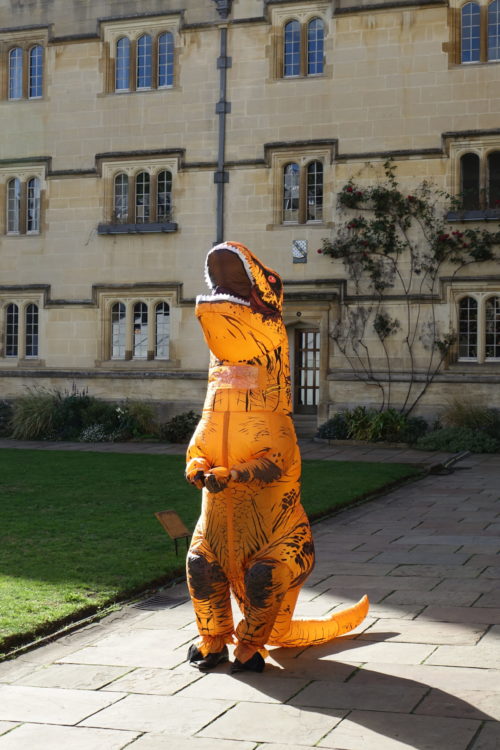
(323, 630)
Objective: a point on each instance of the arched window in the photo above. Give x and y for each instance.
(467, 328)
(315, 191)
(162, 315)
(164, 196)
(315, 44)
(144, 62)
(291, 192)
(494, 179)
(291, 49)
(16, 73)
(122, 65)
(165, 60)
(140, 330)
(494, 30)
(142, 197)
(120, 198)
(35, 72)
(13, 205)
(11, 330)
(492, 342)
(118, 331)
(469, 181)
(33, 206)
(32, 331)
(471, 36)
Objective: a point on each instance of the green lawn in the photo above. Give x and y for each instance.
(77, 529)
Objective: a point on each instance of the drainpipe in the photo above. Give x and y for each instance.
(223, 107)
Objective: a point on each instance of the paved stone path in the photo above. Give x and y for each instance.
(423, 671)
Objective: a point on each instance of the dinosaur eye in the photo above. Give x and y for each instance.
(271, 279)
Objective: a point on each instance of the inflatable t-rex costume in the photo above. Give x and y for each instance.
(253, 537)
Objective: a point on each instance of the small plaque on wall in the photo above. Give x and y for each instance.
(299, 251)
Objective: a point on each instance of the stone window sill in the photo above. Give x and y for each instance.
(488, 214)
(151, 228)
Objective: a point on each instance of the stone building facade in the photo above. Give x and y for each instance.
(136, 134)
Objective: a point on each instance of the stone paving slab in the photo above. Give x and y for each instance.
(170, 742)
(265, 722)
(154, 681)
(72, 676)
(51, 737)
(488, 738)
(423, 631)
(158, 713)
(6, 726)
(385, 731)
(51, 705)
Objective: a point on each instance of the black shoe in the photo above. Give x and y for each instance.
(255, 664)
(196, 658)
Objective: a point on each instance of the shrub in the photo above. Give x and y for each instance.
(473, 415)
(457, 439)
(180, 428)
(362, 423)
(33, 415)
(5, 418)
(335, 428)
(137, 418)
(94, 433)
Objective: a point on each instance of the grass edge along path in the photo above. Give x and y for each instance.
(78, 534)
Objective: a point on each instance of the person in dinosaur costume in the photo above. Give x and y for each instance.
(253, 537)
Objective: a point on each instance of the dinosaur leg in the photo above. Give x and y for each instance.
(209, 589)
(266, 583)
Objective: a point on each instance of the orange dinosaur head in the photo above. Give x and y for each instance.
(241, 319)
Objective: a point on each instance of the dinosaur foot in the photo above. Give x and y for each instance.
(204, 663)
(255, 664)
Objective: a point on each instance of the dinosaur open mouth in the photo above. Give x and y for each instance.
(228, 276)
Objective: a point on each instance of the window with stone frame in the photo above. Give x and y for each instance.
(20, 322)
(302, 192)
(475, 177)
(139, 195)
(22, 62)
(139, 329)
(141, 53)
(22, 198)
(478, 326)
(476, 32)
(299, 39)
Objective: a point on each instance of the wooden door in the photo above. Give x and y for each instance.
(306, 387)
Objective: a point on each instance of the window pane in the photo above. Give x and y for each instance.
(13, 205)
(33, 206)
(118, 331)
(144, 70)
(165, 60)
(121, 198)
(470, 33)
(36, 72)
(469, 179)
(16, 73)
(140, 331)
(164, 201)
(494, 30)
(11, 330)
(315, 37)
(494, 179)
(493, 328)
(467, 336)
(162, 331)
(291, 193)
(142, 197)
(315, 191)
(32, 331)
(122, 72)
(291, 59)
